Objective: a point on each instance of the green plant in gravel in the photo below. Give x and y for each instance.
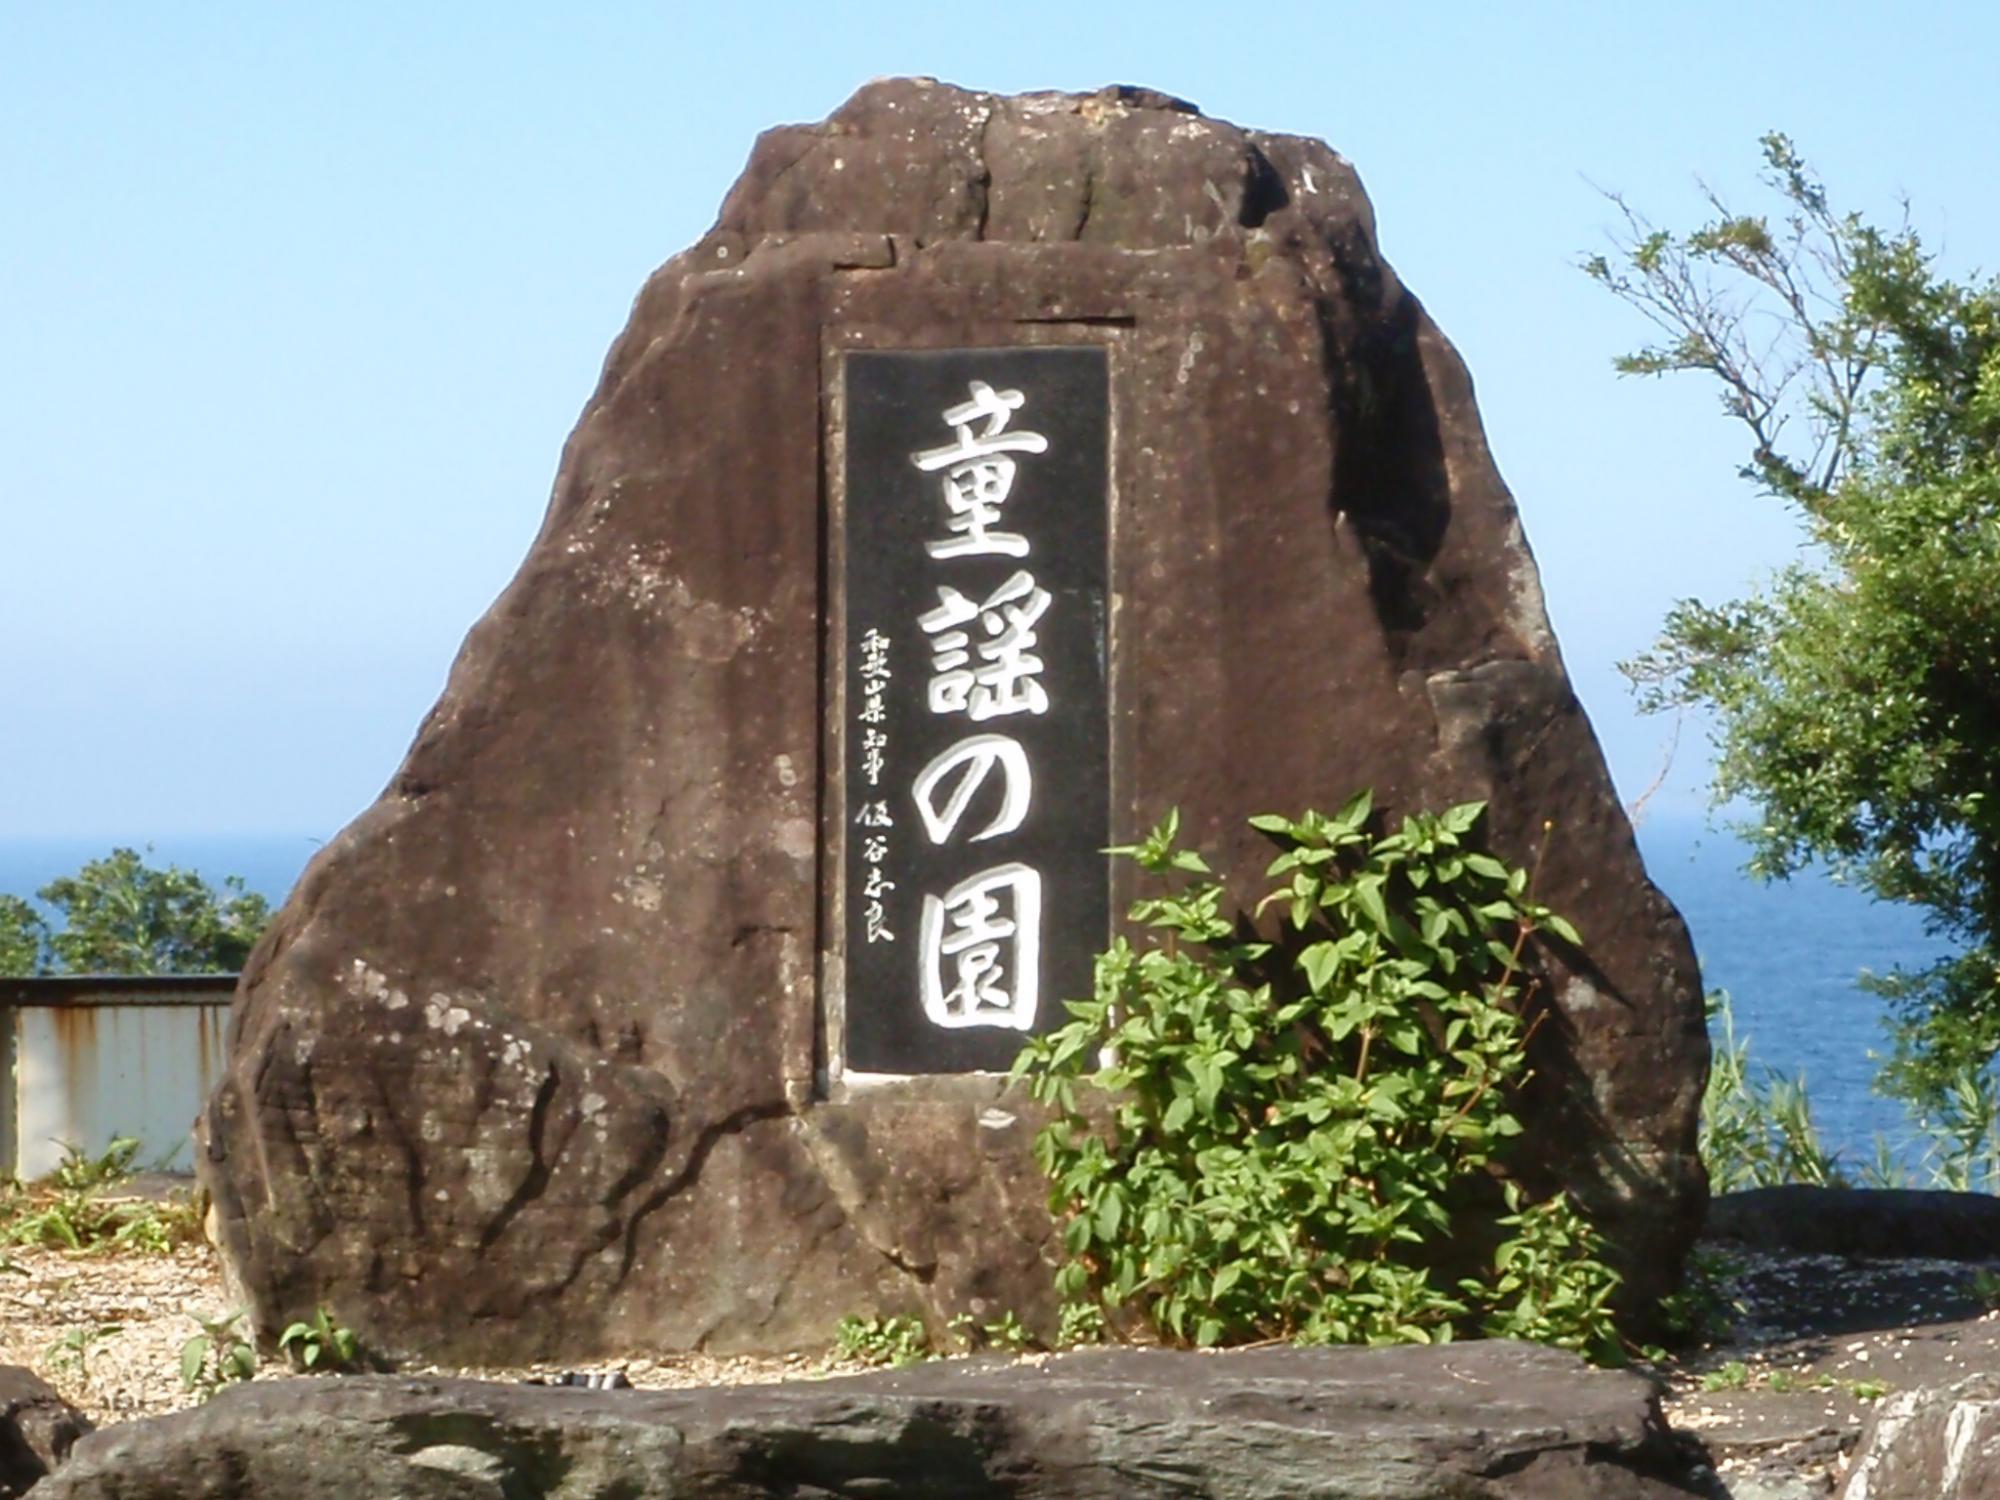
(1733, 1376)
(1004, 1333)
(73, 1208)
(59, 1221)
(1791, 1382)
(1260, 1139)
(1738, 1376)
(894, 1340)
(152, 1228)
(73, 1350)
(1080, 1323)
(323, 1344)
(217, 1356)
(80, 1173)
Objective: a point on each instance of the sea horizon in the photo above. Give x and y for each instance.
(1788, 953)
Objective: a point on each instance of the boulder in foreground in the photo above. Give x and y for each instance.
(1941, 1443)
(1487, 1421)
(37, 1430)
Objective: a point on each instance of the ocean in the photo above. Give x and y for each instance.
(1787, 953)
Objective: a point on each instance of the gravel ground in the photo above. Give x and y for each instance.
(1778, 1404)
(132, 1313)
(1816, 1341)
(128, 1315)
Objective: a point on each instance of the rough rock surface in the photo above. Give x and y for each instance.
(37, 1430)
(526, 1065)
(1463, 1422)
(1931, 1444)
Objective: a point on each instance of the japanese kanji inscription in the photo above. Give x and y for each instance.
(976, 797)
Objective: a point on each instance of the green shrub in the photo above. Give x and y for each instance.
(1269, 1139)
(1080, 1323)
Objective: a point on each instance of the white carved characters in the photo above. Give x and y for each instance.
(979, 475)
(982, 950)
(979, 754)
(980, 942)
(1004, 681)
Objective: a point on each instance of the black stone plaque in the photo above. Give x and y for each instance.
(977, 718)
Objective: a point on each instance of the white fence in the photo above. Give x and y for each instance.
(87, 1059)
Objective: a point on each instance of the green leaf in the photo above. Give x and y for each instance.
(1110, 1215)
(1368, 896)
(1319, 961)
(1076, 1236)
(1460, 819)
(1355, 811)
(1562, 929)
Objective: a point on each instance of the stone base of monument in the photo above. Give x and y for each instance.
(1462, 1422)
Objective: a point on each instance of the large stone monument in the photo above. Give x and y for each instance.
(997, 474)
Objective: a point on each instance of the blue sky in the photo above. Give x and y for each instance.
(297, 305)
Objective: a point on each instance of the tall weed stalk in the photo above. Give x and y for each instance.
(1757, 1127)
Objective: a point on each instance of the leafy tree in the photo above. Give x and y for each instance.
(1855, 700)
(122, 916)
(24, 937)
